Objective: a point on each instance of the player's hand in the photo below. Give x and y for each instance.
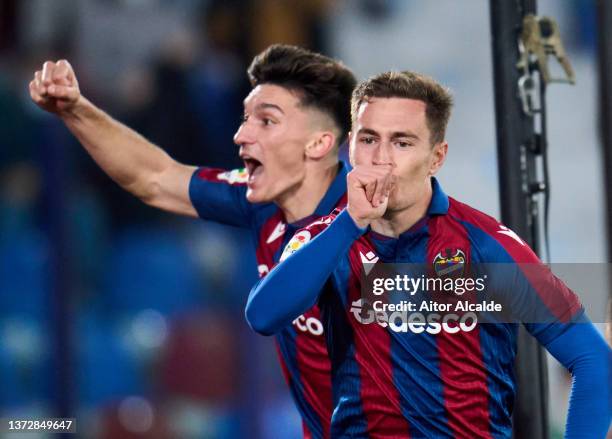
(55, 88)
(368, 189)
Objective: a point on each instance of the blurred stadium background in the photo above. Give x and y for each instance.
(157, 344)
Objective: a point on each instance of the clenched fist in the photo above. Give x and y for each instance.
(368, 189)
(55, 88)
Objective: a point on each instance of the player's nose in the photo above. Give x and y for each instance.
(382, 154)
(244, 135)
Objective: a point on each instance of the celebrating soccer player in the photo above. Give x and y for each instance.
(396, 375)
(295, 117)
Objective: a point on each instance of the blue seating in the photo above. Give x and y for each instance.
(150, 268)
(24, 275)
(106, 369)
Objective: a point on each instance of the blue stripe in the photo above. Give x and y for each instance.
(416, 363)
(348, 419)
(498, 346)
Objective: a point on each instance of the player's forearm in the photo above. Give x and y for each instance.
(583, 351)
(127, 157)
(293, 286)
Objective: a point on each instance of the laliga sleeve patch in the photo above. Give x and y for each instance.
(235, 176)
(297, 242)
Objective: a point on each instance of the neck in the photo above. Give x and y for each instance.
(395, 222)
(304, 199)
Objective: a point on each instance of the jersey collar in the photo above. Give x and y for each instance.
(336, 190)
(439, 200)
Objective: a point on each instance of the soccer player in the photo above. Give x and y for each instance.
(295, 117)
(396, 377)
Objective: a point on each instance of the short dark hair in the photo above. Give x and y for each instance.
(322, 82)
(410, 85)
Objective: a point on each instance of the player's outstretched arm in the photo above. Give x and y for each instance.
(584, 352)
(293, 286)
(129, 159)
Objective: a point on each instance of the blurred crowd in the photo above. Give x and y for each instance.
(128, 318)
(149, 306)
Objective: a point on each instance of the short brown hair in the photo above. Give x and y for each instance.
(322, 82)
(410, 85)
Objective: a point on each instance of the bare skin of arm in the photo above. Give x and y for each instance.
(133, 162)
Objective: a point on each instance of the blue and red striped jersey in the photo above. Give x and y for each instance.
(389, 381)
(220, 196)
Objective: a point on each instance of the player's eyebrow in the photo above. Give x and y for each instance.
(369, 131)
(394, 135)
(266, 106)
(404, 134)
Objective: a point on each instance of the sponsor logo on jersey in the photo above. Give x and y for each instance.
(414, 322)
(311, 325)
(297, 242)
(234, 176)
(451, 261)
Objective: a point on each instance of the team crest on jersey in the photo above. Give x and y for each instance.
(297, 242)
(234, 176)
(450, 261)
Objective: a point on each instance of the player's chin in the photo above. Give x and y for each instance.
(257, 195)
(393, 204)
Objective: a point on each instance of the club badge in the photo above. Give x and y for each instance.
(449, 262)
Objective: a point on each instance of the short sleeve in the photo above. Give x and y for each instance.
(220, 195)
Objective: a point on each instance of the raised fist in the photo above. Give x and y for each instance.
(55, 88)
(368, 189)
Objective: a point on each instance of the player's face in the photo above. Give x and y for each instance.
(393, 132)
(272, 139)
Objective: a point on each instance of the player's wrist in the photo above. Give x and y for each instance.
(77, 110)
(360, 223)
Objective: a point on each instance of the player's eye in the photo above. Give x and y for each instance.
(244, 118)
(403, 144)
(368, 140)
(267, 121)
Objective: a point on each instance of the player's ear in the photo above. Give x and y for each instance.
(438, 157)
(321, 145)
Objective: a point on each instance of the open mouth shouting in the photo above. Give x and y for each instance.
(253, 166)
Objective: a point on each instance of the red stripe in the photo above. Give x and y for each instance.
(462, 369)
(305, 431)
(379, 395)
(314, 368)
(265, 251)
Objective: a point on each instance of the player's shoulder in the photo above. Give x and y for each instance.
(491, 235)
(467, 214)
